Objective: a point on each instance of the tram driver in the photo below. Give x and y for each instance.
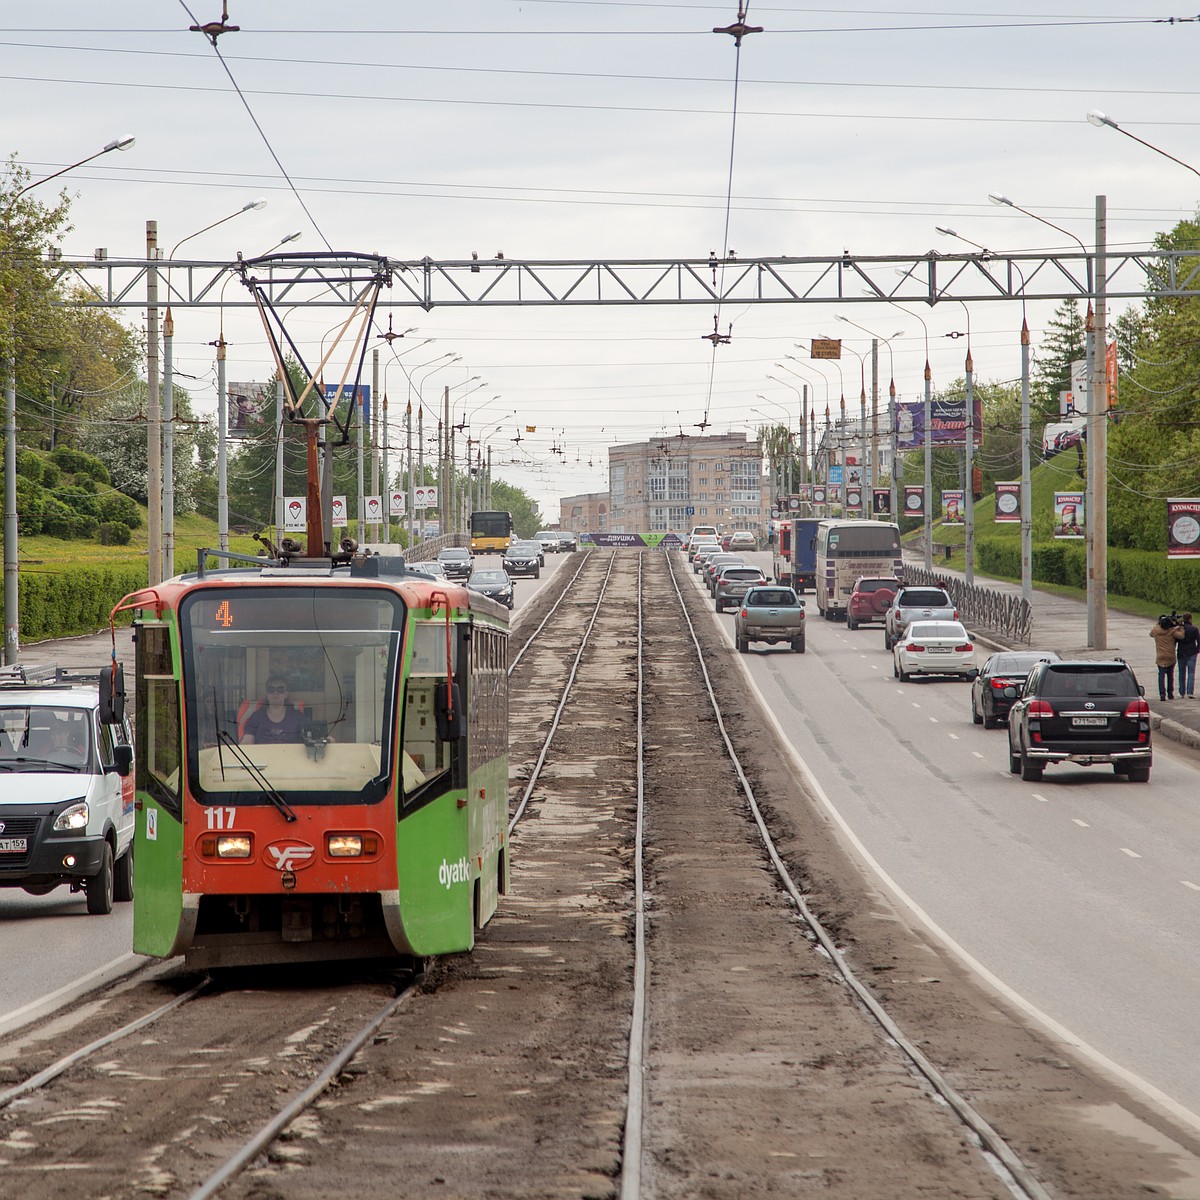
(275, 720)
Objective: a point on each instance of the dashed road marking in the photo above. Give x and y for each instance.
(1131, 853)
(976, 753)
(934, 720)
(1081, 824)
(1039, 796)
(1187, 883)
(954, 736)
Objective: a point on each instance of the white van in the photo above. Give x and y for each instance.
(66, 785)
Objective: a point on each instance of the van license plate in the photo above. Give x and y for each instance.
(13, 845)
(1089, 720)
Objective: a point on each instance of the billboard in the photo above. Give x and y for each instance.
(1069, 513)
(248, 407)
(952, 506)
(1183, 528)
(361, 390)
(947, 419)
(881, 502)
(1008, 501)
(914, 500)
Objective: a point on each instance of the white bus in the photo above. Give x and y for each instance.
(848, 550)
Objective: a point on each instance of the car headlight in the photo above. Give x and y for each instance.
(228, 845)
(74, 816)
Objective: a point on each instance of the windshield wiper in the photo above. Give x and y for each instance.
(263, 782)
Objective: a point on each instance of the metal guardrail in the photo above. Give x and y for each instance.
(998, 612)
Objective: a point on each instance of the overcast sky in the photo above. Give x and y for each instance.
(592, 129)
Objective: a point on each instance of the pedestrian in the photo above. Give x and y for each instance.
(1165, 634)
(1187, 649)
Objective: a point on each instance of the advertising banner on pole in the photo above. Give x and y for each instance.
(250, 408)
(1183, 528)
(398, 504)
(914, 500)
(1008, 501)
(854, 496)
(1069, 515)
(340, 516)
(881, 502)
(952, 506)
(374, 506)
(947, 419)
(425, 497)
(362, 391)
(295, 514)
(820, 493)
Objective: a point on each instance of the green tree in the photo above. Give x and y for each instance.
(527, 517)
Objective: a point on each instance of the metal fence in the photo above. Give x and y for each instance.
(1002, 613)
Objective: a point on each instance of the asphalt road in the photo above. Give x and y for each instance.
(1079, 893)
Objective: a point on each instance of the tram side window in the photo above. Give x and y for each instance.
(158, 718)
(425, 756)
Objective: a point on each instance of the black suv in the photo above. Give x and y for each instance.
(1081, 712)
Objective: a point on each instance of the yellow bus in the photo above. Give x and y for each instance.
(491, 532)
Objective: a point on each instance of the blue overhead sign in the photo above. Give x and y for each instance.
(363, 391)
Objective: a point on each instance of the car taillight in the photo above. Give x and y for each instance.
(1000, 684)
(914, 649)
(956, 614)
(1136, 709)
(743, 614)
(965, 648)
(1041, 708)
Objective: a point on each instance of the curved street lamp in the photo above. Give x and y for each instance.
(12, 635)
(1100, 120)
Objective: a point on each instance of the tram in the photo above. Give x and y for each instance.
(321, 767)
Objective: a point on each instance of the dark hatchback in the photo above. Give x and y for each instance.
(998, 684)
(493, 583)
(1080, 712)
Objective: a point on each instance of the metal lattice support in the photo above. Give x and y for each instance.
(1003, 613)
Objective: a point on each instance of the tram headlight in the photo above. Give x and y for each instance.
(351, 845)
(74, 816)
(229, 845)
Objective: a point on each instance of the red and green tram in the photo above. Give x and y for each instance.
(321, 767)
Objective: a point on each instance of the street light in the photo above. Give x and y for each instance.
(168, 407)
(1099, 119)
(784, 481)
(926, 437)
(12, 638)
(810, 455)
(283, 241)
(875, 340)
(862, 421)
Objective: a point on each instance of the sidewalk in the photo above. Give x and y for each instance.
(1060, 624)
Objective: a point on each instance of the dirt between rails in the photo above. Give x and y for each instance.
(506, 1075)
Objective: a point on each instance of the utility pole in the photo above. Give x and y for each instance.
(1026, 499)
(869, 484)
(154, 479)
(447, 463)
(1097, 447)
(222, 451)
(280, 516)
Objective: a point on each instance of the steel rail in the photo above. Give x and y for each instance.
(272, 1129)
(512, 666)
(535, 774)
(996, 1151)
(52, 1072)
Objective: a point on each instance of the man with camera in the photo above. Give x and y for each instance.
(1186, 649)
(1167, 634)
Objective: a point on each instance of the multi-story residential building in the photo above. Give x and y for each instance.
(669, 484)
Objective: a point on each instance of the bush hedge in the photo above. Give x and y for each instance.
(1144, 574)
(66, 603)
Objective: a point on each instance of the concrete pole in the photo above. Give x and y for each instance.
(280, 518)
(1097, 426)
(928, 467)
(895, 499)
(865, 510)
(168, 458)
(385, 496)
(869, 484)
(487, 500)
(222, 451)
(421, 459)
(804, 435)
(444, 501)
(154, 432)
(12, 619)
(1026, 498)
(360, 511)
(1090, 483)
(412, 486)
(969, 462)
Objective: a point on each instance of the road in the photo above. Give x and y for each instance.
(84, 945)
(1080, 893)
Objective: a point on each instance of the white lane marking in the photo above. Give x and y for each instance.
(915, 704)
(934, 720)
(1081, 824)
(1039, 796)
(1131, 853)
(954, 736)
(1187, 883)
(976, 753)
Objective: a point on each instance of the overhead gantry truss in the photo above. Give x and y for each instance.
(332, 280)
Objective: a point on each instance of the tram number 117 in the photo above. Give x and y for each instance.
(220, 818)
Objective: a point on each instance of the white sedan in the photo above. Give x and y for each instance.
(934, 648)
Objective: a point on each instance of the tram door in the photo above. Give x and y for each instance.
(158, 839)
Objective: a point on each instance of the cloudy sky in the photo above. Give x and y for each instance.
(593, 129)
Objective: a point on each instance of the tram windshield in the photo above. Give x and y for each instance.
(290, 689)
